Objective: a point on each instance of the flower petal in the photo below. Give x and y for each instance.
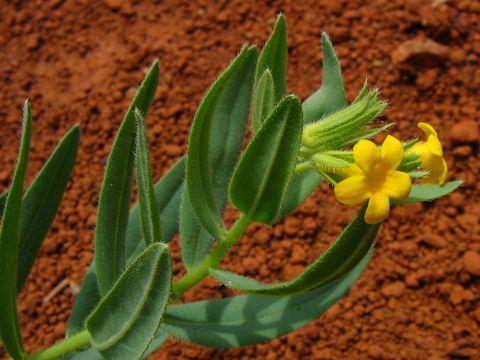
(427, 129)
(398, 185)
(438, 170)
(421, 149)
(392, 152)
(366, 154)
(443, 177)
(434, 145)
(377, 209)
(352, 191)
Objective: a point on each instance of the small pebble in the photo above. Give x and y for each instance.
(471, 262)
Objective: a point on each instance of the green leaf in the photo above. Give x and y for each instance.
(274, 58)
(115, 194)
(264, 171)
(9, 245)
(331, 95)
(128, 317)
(429, 192)
(157, 341)
(196, 242)
(87, 299)
(167, 194)
(251, 319)
(3, 199)
(264, 100)
(148, 206)
(41, 201)
(92, 354)
(216, 140)
(349, 249)
(299, 189)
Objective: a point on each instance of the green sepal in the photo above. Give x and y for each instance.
(418, 174)
(410, 162)
(347, 251)
(149, 217)
(366, 134)
(325, 162)
(429, 192)
(274, 58)
(264, 100)
(262, 175)
(338, 127)
(252, 319)
(128, 317)
(115, 194)
(9, 246)
(41, 201)
(409, 144)
(224, 107)
(331, 95)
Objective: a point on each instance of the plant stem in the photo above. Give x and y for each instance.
(67, 346)
(200, 272)
(192, 278)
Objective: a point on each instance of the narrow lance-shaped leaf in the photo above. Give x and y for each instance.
(264, 99)
(199, 163)
(128, 317)
(9, 244)
(349, 249)
(274, 57)
(264, 171)
(115, 194)
(429, 192)
(214, 146)
(331, 95)
(87, 299)
(252, 319)
(167, 194)
(3, 199)
(42, 199)
(148, 206)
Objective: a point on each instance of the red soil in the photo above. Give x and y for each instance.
(80, 61)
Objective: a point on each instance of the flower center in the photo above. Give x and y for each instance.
(376, 177)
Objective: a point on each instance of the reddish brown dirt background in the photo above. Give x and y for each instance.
(80, 62)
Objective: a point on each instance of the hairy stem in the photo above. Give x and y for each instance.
(200, 272)
(192, 278)
(67, 346)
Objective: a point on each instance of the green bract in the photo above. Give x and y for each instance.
(127, 308)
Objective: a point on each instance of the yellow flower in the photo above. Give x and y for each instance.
(431, 155)
(374, 177)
